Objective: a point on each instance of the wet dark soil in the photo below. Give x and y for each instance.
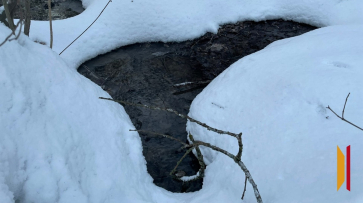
(146, 72)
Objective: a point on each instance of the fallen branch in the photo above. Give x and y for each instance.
(192, 83)
(245, 188)
(180, 160)
(200, 173)
(176, 113)
(342, 117)
(196, 144)
(239, 162)
(167, 136)
(200, 159)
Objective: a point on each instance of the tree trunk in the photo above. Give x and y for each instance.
(27, 17)
(8, 16)
(50, 22)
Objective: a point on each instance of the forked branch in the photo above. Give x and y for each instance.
(342, 117)
(195, 145)
(176, 113)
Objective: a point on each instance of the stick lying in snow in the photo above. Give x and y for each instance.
(176, 113)
(342, 117)
(195, 145)
(192, 83)
(200, 173)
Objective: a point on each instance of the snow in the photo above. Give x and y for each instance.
(127, 22)
(278, 97)
(60, 143)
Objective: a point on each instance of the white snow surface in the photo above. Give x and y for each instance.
(60, 143)
(278, 97)
(130, 21)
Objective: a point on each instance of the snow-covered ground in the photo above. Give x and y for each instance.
(60, 143)
(129, 21)
(278, 97)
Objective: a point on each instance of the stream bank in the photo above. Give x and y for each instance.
(146, 72)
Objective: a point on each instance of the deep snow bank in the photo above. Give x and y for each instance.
(59, 142)
(127, 22)
(277, 98)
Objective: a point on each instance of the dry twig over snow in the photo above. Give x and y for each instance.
(342, 117)
(195, 145)
(86, 28)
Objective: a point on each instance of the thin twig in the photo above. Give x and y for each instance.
(346, 99)
(243, 194)
(176, 113)
(345, 119)
(12, 33)
(240, 163)
(192, 83)
(6, 39)
(109, 78)
(342, 117)
(181, 159)
(18, 35)
(87, 28)
(167, 136)
(196, 144)
(199, 157)
(240, 146)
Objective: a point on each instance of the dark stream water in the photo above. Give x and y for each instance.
(145, 73)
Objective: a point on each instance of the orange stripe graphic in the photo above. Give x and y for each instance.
(340, 168)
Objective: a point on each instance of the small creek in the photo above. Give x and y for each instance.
(146, 72)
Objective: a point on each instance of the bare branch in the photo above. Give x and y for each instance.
(167, 136)
(243, 194)
(6, 39)
(87, 27)
(240, 146)
(12, 33)
(18, 35)
(192, 83)
(196, 144)
(346, 99)
(342, 117)
(200, 159)
(176, 113)
(240, 163)
(177, 164)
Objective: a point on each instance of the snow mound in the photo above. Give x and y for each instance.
(278, 97)
(127, 22)
(59, 142)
